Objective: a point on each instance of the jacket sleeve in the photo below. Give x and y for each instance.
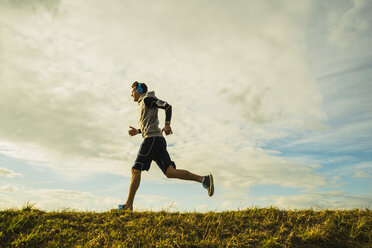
(153, 102)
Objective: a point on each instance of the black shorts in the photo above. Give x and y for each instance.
(153, 148)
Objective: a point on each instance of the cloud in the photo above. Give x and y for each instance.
(236, 74)
(8, 173)
(8, 188)
(7, 202)
(50, 5)
(316, 200)
(71, 168)
(239, 204)
(227, 205)
(151, 199)
(60, 103)
(348, 27)
(68, 104)
(362, 170)
(58, 199)
(156, 203)
(350, 137)
(324, 200)
(363, 174)
(76, 101)
(202, 208)
(173, 206)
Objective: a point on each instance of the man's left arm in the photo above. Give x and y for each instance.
(152, 102)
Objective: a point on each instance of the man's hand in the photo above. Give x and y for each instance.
(167, 129)
(133, 131)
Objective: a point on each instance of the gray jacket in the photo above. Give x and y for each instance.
(148, 118)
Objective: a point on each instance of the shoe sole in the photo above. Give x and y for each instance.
(211, 185)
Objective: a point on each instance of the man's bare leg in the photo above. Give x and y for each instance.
(134, 184)
(182, 174)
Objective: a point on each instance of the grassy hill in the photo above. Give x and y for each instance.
(254, 227)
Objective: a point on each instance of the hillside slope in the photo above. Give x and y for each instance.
(254, 227)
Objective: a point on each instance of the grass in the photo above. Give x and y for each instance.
(254, 227)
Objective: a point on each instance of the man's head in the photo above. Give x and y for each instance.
(138, 89)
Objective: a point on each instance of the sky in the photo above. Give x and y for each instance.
(271, 97)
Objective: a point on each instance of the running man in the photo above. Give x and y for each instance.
(154, 146)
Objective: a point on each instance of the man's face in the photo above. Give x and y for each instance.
(135, 95)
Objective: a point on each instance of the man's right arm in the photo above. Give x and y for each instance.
(133, 131)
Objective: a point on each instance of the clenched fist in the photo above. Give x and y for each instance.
(133, 131)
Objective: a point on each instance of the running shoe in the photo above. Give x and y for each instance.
(124, 208)
(208, 184)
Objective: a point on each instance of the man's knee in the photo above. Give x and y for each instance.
(171, 172)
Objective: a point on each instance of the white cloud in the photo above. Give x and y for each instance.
(71, 168)
(227, 205)
(76, 99)
(240, 204)
(202, 208)
(348, 26)
(156, 203)
(8, 173)
(7, 202)
(58, 199)
(173, 206)
(235, 73)
(323, 200)
(315, 200)
(362, 170)
(151, 199)
(8, 188)
(362, 174)
(349, 137)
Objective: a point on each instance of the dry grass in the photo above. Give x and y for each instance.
(266, 227)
